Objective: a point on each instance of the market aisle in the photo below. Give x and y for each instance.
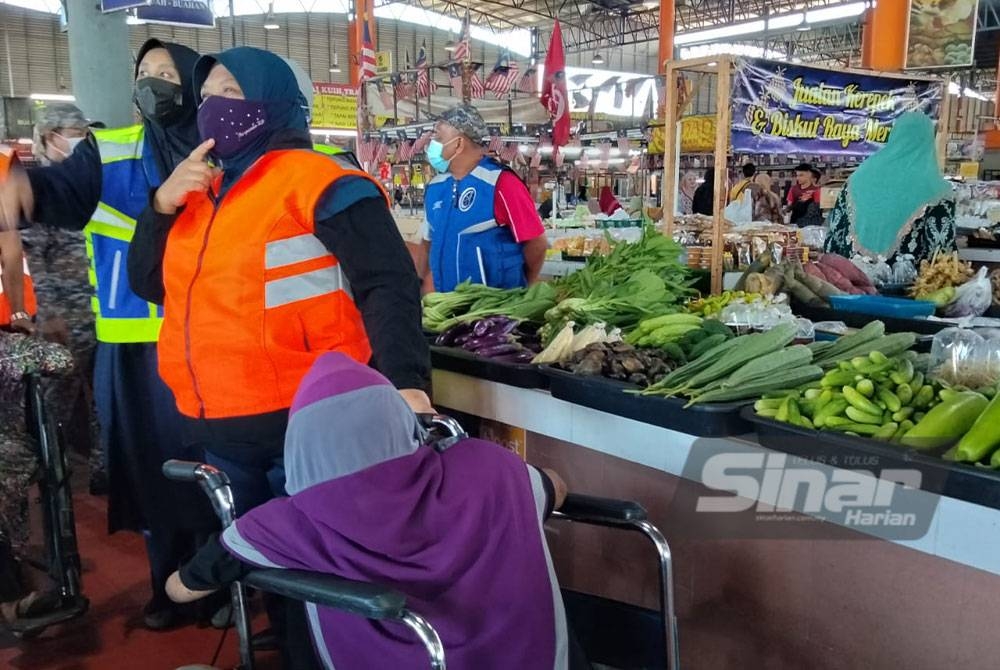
(110, 635)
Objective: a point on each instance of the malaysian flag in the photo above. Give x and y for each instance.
(536, 158)
(425, 83)
(400, 86)
(404, 151)
(455, 78)
(384, 93)
(476, 87)
(367, 62)
(529, 81)
(496, 144)
(624, 145)
(381, 151)
(366, 150)
(503, 76)
(557, 157)
(462, 51)
(584, 160)
(421, 142)
(509, 152)
(605, 151)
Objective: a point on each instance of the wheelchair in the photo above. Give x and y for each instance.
(62, 556)
(610, 632)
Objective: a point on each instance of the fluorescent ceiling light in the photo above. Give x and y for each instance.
(598, 59)
(713, 34)
(954, 89)
(804, 25)
(335, 66)
(651, 4)
(52, 97)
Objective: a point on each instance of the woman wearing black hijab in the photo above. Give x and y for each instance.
(103, 187)
(703, 201)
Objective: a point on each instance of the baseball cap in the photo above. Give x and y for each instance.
(467, 120)
(56, 115)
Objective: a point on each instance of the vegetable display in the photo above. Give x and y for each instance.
(469, 302)
(941, 271)
(498, 337)
(742, 368)
(621, 361)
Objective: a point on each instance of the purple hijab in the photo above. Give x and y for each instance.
(459, 532)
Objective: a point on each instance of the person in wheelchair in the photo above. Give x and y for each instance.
(21, 596)
(456, 526)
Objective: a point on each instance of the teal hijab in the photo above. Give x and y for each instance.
(890, 189)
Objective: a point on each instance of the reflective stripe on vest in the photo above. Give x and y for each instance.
(252, 296)
(121, 315)
(305, 285)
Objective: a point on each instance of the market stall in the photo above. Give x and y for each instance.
(772, 113)
(824, 453)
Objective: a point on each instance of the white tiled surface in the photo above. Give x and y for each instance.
(960, 531)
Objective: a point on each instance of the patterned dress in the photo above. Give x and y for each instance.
(932, 232)
(20, 355)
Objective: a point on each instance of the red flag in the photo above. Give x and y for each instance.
(554, 97)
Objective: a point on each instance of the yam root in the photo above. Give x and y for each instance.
(800, 292)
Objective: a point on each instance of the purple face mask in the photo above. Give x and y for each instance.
(233, 124)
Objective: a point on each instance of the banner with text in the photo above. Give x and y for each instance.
(334, 106)
(780, 108)
(187, 13)
(115, 5)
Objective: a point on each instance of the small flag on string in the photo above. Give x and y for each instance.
(536, 159)
(624, 146)
(503, 75)
(421, 142)
(509, 152)
(425, 83)
(455, 79)
(462, 50)
(557, 157)
(476, 87)
(496, 144)
(529, 81)
(605, 150)
(584, 160)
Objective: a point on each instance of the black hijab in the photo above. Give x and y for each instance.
(171, 144)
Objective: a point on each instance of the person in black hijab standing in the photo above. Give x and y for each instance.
(102, 188)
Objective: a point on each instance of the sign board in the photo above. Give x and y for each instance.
(187, 13)
(115, 5)
(784, 109)
(969, 170)
(513, 438)
(697, 135)
(335, 106)
(383, 62)
(941, 34)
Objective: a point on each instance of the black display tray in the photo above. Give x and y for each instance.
(466, 363)
(608, 395)
(856, 320)
(954, 480)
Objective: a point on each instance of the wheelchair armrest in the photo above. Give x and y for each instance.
(368, 600)
(583, 507)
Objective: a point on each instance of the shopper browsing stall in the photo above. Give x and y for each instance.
(896, 201)
(481, 223)
(703, 201)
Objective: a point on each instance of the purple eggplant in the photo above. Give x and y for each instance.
(517, 358)
(499, 350)
(494, 325)
(483, 326)
(477, 343)
(448, 338)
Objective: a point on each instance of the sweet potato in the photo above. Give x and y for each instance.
(814, 270)
(846, 268)
(836, 278)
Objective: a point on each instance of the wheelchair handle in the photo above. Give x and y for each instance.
(448, 425)
(212, 480)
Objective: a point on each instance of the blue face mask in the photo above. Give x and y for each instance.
(434, 157)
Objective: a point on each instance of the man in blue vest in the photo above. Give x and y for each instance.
(481, 222)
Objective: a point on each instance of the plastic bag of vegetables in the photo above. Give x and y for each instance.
(972, 298)
(960, 357)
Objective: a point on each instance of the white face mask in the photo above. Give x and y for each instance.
(71, 141)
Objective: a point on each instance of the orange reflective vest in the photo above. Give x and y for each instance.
(252, 296)
(7, 158)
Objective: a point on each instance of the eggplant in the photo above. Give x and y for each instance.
(494, 325)
(448, 338)
(483, 326)
(477, 343)
(518, 358)
(499, 350)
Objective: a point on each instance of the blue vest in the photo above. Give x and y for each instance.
(466, 241)
(128, 173)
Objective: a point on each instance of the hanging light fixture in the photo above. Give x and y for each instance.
(651, 4)
(449, 46)
(598, 59)
(270, 23)
(334, 65)
(804, 25)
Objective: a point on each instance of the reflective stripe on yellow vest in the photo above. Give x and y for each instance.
(121, 316)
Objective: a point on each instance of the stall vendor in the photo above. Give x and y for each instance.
(896, 201)
(481, 223)
(803, 197)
